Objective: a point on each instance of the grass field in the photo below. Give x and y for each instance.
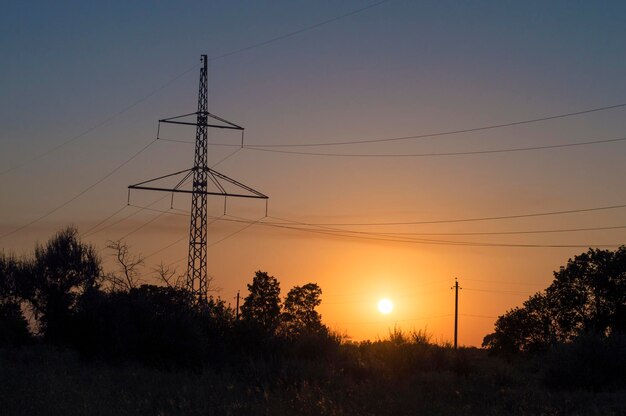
(377, 378)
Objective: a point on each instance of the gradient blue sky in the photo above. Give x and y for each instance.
(397, 69)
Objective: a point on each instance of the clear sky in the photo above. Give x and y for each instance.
(104, 73)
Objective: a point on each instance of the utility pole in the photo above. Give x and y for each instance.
(456, 311)
(205, 181)
(237, 310)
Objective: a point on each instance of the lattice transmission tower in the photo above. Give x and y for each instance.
(205, 181)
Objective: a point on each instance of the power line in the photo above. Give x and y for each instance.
(342, 231)
(391, 234)
(171, 209)
(142, 226)
(560, 230)
(192, 142)
(235, 233)
(251, 223)
(504, 282)
(377, 237)
(435, 242)
(176, 78)
(445, 242)
(296, 32)
(97, 125)
(78, 195)
(290, 34)
(508, 292)
(186, 236)
(418, 287)
(440, 154)
(449, 132)
(224, 159)
(106, 219)
(142, 208)
(475, 219)
(477, 316)
(132, 214)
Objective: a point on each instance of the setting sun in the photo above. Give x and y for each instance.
(385, 306)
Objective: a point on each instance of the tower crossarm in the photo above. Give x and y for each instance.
(206, 116)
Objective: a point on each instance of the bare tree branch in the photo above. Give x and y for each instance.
(168, 276)
(129, 265)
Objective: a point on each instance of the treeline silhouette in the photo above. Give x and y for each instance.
(63, 318)
(577, 324)
(73, 303)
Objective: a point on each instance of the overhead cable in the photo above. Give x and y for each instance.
(448, 132)
(97, 125)
(473, 219)
(132, 214)
(296, 32)
(438, 154)
(176, 78)
(123, 207)
(79, 194)
(378, 237)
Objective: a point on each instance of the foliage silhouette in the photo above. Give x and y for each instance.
(587, 296)
(13, 325)
(530, 328)
(299, 315)
(262, 305)
(156, 351)
(150, 324)
(53, 281)
(590, 362)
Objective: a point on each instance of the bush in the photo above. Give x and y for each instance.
(591, 362)
(151, 324)
(13, 327)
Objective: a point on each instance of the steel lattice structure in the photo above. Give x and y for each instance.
(197, 274)
(197, 277)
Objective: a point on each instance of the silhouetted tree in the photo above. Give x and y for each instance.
(530, 328)
(152, 324)
(9, 276)
(13, 325)
(588, 295)
(299, 315)
(262, 306)
(216, 310)
(60, 273)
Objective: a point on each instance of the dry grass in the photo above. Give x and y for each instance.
(403, 375)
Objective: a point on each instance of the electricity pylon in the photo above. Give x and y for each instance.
(197, 276)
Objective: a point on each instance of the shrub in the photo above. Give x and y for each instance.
(150, 324)
(592, 362)
(13, 326)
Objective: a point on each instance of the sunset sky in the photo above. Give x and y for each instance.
(83, 85)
